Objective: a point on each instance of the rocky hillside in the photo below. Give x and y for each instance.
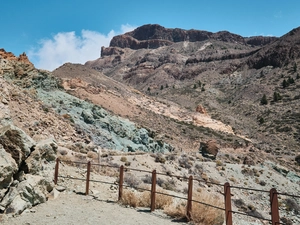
(216, 105)
(38, 119)
(227, 74)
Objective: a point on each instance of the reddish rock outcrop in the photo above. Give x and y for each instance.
(209, 149)
(10, 56)
(201, 109)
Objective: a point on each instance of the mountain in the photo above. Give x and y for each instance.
(225, 73)
(153, 36)
(280, 53)
(216, 105)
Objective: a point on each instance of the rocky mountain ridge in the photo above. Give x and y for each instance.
(228, 77)
(152, 36)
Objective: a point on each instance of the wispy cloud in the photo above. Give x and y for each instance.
(69, 47)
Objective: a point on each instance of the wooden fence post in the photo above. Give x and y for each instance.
(56, 171)
(274, 207)
(153, 190)
(190, 198)
(88, 178)
(121, 180)
(228, 211)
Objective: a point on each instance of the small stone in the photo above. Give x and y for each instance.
(60, 188)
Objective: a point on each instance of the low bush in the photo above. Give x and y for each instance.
(129, 198)
(201, 214)
(292, 205)
(131, 180)
(143, 199)
(160, 158)
(123, 159)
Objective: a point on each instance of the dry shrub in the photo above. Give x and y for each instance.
(202, 214)
(92, 155)
(143, 199)
(176, 210)
(160, 158)
(107, 171)
(123, 159)
(162, 201)
(64, 157)
(131, 180)
(130, 198)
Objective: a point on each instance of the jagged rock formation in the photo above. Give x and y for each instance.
(153, 36)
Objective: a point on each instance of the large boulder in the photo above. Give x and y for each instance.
(42, 158)
(26, 170)
(16, 142)
(8, 168)
(209, 149)
(31, 191)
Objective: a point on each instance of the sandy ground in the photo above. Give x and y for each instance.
(70, 208)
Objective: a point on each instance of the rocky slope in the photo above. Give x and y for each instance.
(37, 118)
(197, 102)
(225, 73)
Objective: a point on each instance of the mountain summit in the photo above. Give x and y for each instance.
(154, 36)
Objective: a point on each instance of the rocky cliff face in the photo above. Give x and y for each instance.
(153, 36)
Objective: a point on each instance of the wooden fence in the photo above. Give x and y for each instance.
(274, 208)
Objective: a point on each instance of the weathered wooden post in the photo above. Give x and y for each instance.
(88, 178)
(153, 190)
(56, 171)
(121, 180)
(228, 210)
(190, 198)
(274, 207)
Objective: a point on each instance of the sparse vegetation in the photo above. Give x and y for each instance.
(261, 120)
(201, 214)
(143, 199)
(160, 158)
(123, 159)
(131, 180)
(276, 96)
(264, 100)
(292, 205)
(295, 67)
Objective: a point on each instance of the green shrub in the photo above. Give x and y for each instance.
(264, 100)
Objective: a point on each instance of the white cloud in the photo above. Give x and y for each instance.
(68, 47)
(127, 28)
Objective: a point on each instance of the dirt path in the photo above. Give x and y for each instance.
(70, 209)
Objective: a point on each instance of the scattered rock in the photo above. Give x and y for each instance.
(209, 149)
(201, 109)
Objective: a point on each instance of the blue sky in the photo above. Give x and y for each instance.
(53, 32)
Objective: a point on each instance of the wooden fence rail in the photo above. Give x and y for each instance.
(275, 219)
